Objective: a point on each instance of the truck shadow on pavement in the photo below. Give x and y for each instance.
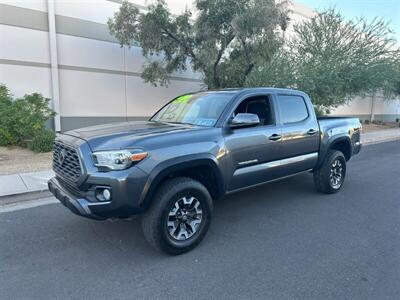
(279, 240)
(275, 229)
(235, 217)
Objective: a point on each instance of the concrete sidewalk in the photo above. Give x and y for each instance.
(17, 184)
(380, 136)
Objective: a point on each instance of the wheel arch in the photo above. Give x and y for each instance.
(342, 144)
(203, 168)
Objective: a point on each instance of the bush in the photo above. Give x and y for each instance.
(42, 141)
(21, 119)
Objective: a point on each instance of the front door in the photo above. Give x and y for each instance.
(253, 151)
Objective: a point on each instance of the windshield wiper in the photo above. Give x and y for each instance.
(178, 123)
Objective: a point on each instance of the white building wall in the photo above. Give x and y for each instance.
(39, 5)
(299, 13)
(100, 81)
(366, 108)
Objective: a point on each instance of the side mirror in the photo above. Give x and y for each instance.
(244, 120)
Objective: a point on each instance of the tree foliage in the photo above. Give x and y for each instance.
(334, 60)
(224, 39)
(22, 118)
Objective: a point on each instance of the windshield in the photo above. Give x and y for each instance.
(201, 109)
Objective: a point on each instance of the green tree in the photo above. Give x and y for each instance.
(334, 60)
(223, 40)
(21, 119)
(5, 95)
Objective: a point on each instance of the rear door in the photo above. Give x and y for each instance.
(300, 133)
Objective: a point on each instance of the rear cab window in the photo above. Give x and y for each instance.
(293, 109)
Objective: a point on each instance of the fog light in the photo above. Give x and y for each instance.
(106, 194)
(103, 194)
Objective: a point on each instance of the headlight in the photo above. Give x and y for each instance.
(117, 160)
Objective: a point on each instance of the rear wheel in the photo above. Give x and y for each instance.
(329, 177)
(179, 217)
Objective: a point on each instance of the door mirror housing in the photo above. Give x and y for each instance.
(244, 120)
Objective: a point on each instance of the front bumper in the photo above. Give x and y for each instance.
(126, 186)
(79, 206)
(126, 189)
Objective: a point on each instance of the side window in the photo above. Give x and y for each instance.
(259, 105)
(293, 108)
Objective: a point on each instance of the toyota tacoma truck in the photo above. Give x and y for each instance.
(195, 149)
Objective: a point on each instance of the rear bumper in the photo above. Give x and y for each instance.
(79, 206)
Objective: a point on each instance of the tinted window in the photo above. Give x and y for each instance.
(258, 105)
(293, 108)
(201, 109)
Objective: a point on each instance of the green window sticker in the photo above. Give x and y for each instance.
(183, 99)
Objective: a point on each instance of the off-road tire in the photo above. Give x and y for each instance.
(154, 221)
(322, 175)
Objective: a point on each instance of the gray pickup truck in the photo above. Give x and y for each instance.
(194, 150)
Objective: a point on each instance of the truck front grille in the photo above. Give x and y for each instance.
(66, 163)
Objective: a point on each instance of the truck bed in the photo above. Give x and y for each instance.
(327, 123)
(332, 128)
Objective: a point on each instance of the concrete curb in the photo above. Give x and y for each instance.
(27, 204)
(380, 136)
(391, 139)
(22, 197)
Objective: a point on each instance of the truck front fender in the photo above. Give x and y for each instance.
(181, 165)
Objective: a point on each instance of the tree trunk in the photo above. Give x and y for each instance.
(372, 117)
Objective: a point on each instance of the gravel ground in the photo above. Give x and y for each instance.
(19, 160)
(376, 127)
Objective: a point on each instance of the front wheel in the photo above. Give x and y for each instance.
(329, 177)
(179, 217)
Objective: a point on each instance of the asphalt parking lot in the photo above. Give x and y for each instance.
(279, 241)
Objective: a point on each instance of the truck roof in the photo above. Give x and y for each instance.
(255, 89)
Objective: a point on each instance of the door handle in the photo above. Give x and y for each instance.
(275, 137)
(312, 132)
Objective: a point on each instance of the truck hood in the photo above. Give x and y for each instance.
(125, 135)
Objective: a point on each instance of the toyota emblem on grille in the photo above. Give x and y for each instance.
(61, 156)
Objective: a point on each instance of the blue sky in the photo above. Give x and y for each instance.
(388, 9)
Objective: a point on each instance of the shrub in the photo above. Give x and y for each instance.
(366, 122)
(21, 119)
(42, 141)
